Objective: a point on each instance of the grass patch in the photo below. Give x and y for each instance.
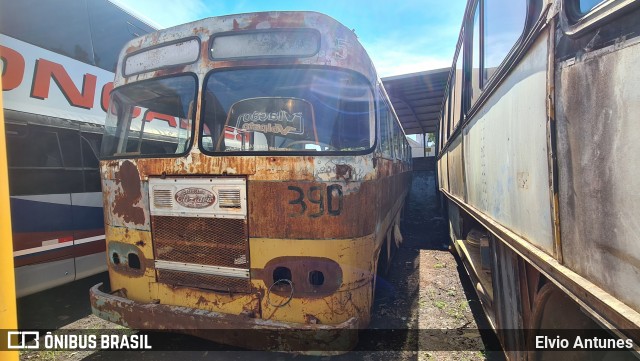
(440, 304)
(458, 315)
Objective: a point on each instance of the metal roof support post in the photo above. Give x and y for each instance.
(424, 144)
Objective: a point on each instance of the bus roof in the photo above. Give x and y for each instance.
(289, 36)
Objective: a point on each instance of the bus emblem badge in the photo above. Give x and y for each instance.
(195, 197)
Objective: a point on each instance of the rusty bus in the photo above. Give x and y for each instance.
(267, 188)
(537, 164)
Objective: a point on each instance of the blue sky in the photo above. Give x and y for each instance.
(401, 37)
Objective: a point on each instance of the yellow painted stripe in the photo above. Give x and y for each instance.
(8, 318)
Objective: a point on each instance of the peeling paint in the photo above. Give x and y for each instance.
(321, 217)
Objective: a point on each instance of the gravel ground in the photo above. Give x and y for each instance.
(426, 294)
(430, 287)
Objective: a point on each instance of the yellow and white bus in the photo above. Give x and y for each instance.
(253, 173)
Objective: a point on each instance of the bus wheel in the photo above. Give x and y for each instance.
(554, 310)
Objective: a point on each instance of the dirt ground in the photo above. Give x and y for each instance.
(426, 294)
(432, 290)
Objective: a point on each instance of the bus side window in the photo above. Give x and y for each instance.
(456, 93)
(385, 122)
(446, 112)
(91, 170)
(475, 57)
(37, 162)
(34, 148)
(500, 33)
(396, 140)
(70, 147)
(90, 146)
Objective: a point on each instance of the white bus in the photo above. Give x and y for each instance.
(58, 59)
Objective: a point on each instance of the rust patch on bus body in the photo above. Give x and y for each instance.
(343, 171)
(197, 164)
(311, 210)
(302, 269)
(122, 252)
(129, 194)
(339, 45)
(274, 19)
(176, 69)
(197, 322)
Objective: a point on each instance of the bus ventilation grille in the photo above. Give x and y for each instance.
(221, 242)
(162, 198)
(229, 198)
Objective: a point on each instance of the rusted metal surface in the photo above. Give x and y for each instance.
(126, 201)
(344, 171)
(338, 45)
(329, 212)
(208, 241)
(322, 218)
(193, 164)
(301, 269)
(270, 204)
(204, 281)
(120, 259)
(584, 292)
(549, 159)
(597, 107)
(355, 259)
(127, 198)
(228, 328)
(552, 145)
(204, 241)
(311, 210)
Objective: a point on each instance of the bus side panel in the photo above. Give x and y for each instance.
(599, 167)
(38, 277)
(506, 152)
(455, 164)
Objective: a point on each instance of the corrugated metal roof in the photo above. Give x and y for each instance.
(417, 98)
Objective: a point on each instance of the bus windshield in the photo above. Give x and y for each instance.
(150, 118)
(292, 110)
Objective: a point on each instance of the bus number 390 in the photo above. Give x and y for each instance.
(317, 195)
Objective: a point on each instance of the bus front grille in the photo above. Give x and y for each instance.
(205, 281)
(210, 253)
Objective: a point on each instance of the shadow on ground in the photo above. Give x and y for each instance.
(59, 306)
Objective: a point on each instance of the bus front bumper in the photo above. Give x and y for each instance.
(236, 330)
